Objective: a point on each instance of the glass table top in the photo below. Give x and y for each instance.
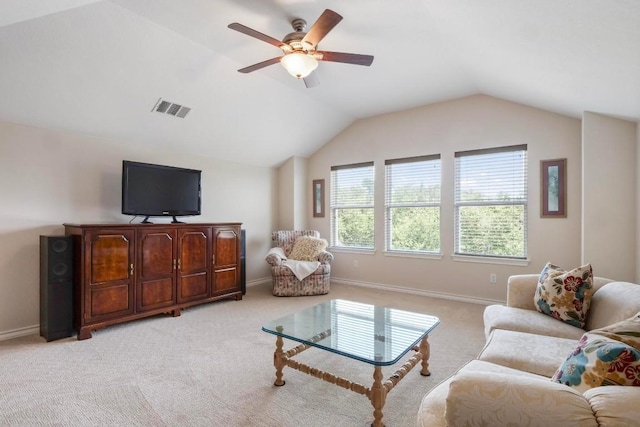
(369, 333)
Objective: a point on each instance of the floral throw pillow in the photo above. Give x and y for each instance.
(565, 295)
(606, 356)
(307, 248)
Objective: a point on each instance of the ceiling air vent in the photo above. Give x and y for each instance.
(167, 107)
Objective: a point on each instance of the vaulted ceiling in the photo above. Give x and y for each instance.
(99, 67)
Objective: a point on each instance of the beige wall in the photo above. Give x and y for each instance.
(609, 196)
(292, 211)
(468, 123)
(49, 177)
(637, 280)
(286, 195)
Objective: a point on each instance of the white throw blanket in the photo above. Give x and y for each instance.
(301, 269)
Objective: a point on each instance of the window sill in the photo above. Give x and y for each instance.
(490, 260)
(347, 250)
(409, 254)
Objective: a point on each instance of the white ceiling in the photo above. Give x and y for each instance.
(98, 67)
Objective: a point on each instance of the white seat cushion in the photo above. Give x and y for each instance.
(521, 350)
(524, 320)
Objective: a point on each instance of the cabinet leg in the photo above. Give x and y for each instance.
(84, 334)
(176, 313)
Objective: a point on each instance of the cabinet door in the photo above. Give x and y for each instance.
(109, 277)
(226, 273)
(155, 269)
(193, 263)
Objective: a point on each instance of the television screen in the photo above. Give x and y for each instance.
(157, 190)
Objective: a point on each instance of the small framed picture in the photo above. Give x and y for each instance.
(318, 198)
(553, 188)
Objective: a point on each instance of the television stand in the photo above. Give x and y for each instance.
(125, 272)
(175, 220)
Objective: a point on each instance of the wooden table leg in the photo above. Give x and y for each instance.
(278, 361)
(425, 350)
(378, 397)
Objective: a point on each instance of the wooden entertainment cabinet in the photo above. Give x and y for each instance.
(124, 272)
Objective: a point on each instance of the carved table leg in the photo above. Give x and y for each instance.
(425, 350)
(278, 361)
(378, 397)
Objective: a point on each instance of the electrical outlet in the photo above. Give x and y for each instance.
(355, 263)
(492, 278)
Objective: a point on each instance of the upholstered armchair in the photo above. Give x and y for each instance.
(285, 281)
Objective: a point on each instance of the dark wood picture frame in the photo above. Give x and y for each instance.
(318, 198)
(553, 188)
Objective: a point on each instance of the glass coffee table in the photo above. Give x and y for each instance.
(379, 336)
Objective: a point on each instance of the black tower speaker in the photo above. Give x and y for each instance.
(56, 287)
(243, 272)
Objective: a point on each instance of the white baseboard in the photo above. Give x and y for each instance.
(20, 332)
(413, 291)
(257, 282)
(394, 288)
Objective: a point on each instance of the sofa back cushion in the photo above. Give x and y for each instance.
(613, 302)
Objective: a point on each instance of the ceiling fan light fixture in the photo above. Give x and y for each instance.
(299, 64)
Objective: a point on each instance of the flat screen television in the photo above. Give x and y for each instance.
(157, 190)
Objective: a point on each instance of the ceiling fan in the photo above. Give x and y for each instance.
(300, 49)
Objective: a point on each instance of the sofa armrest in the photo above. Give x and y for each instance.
(325, 257)
(521, 289)
(493, 399)
(275, 256)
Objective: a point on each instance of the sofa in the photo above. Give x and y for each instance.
(510, 381)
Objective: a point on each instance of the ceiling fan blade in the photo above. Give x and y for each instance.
(260, 65)
(311, 80)
(321, 27)
(253, 33)
(349, 58)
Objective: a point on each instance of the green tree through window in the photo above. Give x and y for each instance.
(352, 202)
(412, 204)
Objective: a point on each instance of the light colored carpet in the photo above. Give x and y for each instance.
(213, 366)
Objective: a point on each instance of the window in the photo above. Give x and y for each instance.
(352, 190)
(491, 202)
(412, 204)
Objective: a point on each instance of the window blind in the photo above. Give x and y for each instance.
(491, 202)
(352, 205)
(412, 204)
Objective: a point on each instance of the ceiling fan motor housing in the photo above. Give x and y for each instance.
(294, 39)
